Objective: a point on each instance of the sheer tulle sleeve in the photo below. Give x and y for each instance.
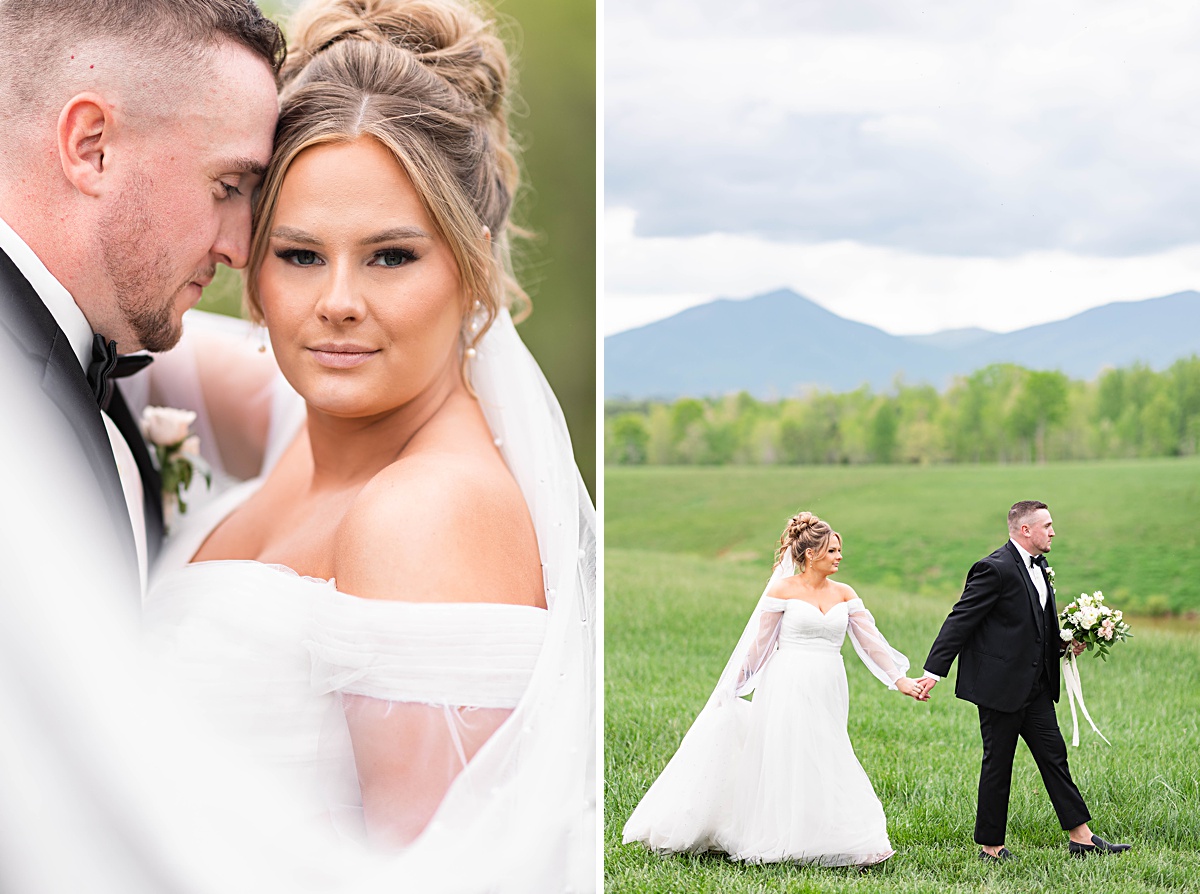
(762, 645)
(422, 688)
(881, 659)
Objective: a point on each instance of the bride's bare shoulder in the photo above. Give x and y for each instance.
(784, 588)
(845, 592)
(439, 526)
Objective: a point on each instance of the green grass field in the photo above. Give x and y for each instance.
(687, 552)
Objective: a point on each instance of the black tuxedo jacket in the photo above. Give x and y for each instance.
(48, 366)
(1000, 634)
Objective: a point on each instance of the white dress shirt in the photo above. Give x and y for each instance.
(1034, 572)
(74, 324)
(1035, 575)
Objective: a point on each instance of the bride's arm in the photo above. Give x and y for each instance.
(429, 533)
(762, 646)
(888, 665)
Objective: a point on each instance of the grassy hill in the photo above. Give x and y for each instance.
(687, 554)
(1129, 528)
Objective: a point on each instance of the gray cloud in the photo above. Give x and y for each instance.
(1081, 143)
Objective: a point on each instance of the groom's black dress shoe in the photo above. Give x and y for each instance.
(1098, 846)
(991, 858)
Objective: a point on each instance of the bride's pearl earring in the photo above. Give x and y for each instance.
(472, 326)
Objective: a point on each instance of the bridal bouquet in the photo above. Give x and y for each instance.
(1088, 620)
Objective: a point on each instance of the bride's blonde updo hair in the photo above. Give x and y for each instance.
(428, 79)
(804, 531)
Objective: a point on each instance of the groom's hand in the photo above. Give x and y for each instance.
(924, 685)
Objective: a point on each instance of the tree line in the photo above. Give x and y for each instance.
(1002, 413)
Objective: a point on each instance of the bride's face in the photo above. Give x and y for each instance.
(826, 562)
(360, 292)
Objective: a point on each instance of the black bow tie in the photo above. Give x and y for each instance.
(106, 365)
(1040, 561)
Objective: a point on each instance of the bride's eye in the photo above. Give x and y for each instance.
(393, 257)
(301, 257)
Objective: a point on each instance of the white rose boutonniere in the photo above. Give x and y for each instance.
(1050, 574)
(178, 454)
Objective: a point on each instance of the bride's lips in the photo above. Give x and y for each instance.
(341, 356)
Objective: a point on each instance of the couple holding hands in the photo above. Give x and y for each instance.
(776, 778)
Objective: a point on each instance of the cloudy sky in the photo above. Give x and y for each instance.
(914, 165)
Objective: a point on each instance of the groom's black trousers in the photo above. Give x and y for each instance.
(1036, 723)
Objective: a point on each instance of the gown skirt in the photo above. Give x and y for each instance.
(801, 793)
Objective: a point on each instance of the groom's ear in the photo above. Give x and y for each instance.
(85, 128)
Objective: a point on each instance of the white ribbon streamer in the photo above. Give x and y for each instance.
(1075, 691)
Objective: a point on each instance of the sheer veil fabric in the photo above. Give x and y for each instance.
(686, 807)
(523, 811)
(521, 815)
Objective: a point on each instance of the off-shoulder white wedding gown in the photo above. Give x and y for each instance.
(269, 654)
(777, 779)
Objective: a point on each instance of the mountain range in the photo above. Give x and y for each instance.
(778, 344)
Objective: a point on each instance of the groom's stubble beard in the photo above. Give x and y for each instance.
(139, 271)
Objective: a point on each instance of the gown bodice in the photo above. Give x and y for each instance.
(804, 626)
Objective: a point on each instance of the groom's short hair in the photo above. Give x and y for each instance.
(46, 44)
(1021, 511)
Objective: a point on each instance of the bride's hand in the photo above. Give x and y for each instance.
(909, 686)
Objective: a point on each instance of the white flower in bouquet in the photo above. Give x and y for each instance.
(1065, 635)
(1091, 622)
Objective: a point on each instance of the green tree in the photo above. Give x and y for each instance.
(1184, 378)
(687, 430)
(629, 440)
(1043, 402)
(884, 425)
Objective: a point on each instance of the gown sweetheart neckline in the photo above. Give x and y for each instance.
(273, 566)
(813, 605)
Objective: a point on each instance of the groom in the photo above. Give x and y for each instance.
(134, 134)
(1004, 630)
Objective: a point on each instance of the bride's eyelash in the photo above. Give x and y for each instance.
(301, 257)
(397, 256)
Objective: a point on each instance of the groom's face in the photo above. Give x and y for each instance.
(1041, 531)
(184, 205)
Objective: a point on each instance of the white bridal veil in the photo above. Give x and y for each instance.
(522, 816)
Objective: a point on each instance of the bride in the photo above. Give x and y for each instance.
(396, 620)
(776, 778)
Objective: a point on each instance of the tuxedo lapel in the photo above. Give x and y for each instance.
(1035, 601)
(65, 384)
